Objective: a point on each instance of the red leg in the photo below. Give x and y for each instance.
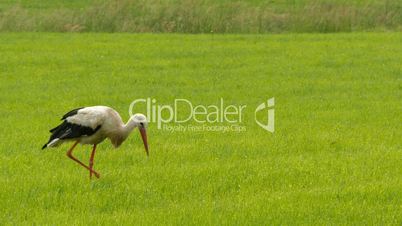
(91, 161)
(70, 155)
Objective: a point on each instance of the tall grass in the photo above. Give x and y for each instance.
(197, 16)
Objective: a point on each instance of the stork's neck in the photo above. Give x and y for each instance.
(128, 127)
(118, 138)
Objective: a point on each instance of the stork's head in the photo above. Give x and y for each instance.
(141, 122)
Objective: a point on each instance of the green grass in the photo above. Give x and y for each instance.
(201, 16)
(77, 4)
(45, 4)
(335, 157)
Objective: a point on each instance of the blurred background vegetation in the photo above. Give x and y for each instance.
(201, 16)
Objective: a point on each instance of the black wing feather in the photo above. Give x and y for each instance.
(68, 130)
(68, 114)
(71, 113)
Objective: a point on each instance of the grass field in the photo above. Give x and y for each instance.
(335, 157)
(201, 16)
(80, 4)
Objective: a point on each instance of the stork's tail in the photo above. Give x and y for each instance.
(53, 140)
(52, 143)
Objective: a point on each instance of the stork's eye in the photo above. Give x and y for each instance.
(142, 124)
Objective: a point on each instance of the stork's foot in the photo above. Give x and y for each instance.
(97, 175)
(92, 171)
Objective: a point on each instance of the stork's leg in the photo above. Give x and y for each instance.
(91, 161)
(70, 155)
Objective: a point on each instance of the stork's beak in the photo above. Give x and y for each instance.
(144, 139)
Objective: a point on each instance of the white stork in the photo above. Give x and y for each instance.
(91, 125)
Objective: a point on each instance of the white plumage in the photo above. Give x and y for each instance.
(93, 116)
